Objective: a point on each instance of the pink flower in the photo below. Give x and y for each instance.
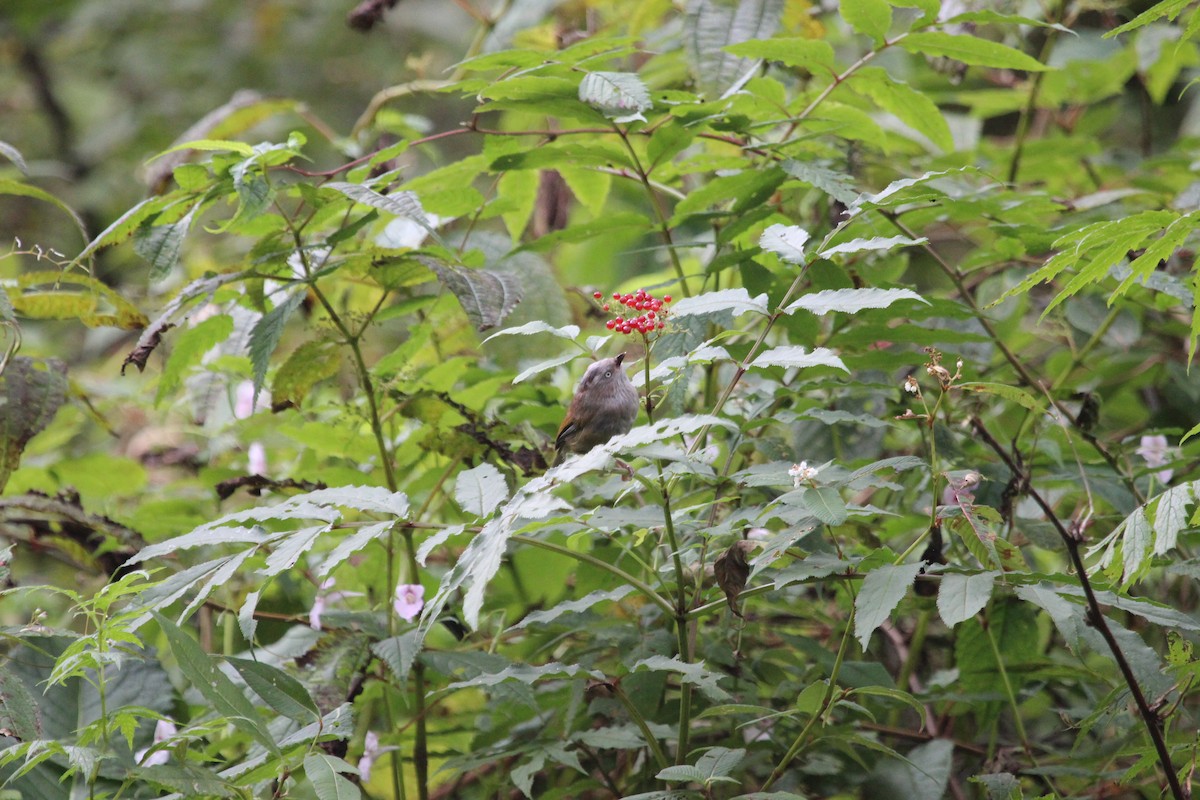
(1154, 449)
(371, 751)
(256, 457)
(164, 729)
(410, 599)
(325, 597)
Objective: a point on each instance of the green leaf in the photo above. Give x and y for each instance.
(1013, 625)
(399, 652)
(14, 155)
(1000, 785)
(869, 17)
(308, 365)
(279, 690)
(694, 673)
(352, 544)
(401, 204)
(226, 699)
(970, 50)
(481, 490)
(838, 185)
(924, 772)
(712, 25)
(736, 301)
(19, 715)
(620, 96)
(851, 301)
(825, 504)
(1166, 8)
(517, 191)
(877, 244)
(961, 597)
(486, 296)
(13, 187)
(815, 55)
(322, 772)
(190, 347)
(907, 104)
(785, 241)
(882, 589)
(584, 604)
(31, 391)
(714, 765)
(210, 145)
(266, 333)
(59, 295)
(537, 326)
(1011, 393)
(795, 356)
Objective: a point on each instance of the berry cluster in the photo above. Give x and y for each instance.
(652, 315)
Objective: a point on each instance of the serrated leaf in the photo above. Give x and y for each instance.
(815, 55)
(160, 245)
(1013, 393)
(620, 96)
(266, 333)
(537, 326)
(401, 204)
(1170, 516)
(31, 392)
(279, 690)
(1164, 8)
(352, 544)
(785, 241)
(737, 301)
(694, 673)
(876, 245)
(825, 504)
(851, 301)
(838, 185)
(882, 590)
(487, 297)
(527, 674)
(872, 18)
(795, 356)
(714, 765)
(481, 490)
(586, 603)
(970, 50)
(961, 597)
(399, 652)
(712, 25)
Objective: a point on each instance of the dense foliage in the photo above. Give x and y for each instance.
(907, 290)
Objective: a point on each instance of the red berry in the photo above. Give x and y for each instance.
(606, 307)
(616, 295)
(610, 324)
(661, 325)
(650, 315)
(597, 295)
(666, 298)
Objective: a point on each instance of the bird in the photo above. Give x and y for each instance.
(605, 405)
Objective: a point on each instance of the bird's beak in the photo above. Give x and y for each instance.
(620, 358)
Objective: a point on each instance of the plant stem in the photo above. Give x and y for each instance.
(1095, 616)
(643, 588)
(655, 748)
(664, 225)
(802, 738)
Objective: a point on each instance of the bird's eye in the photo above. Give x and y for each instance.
(608, 374)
